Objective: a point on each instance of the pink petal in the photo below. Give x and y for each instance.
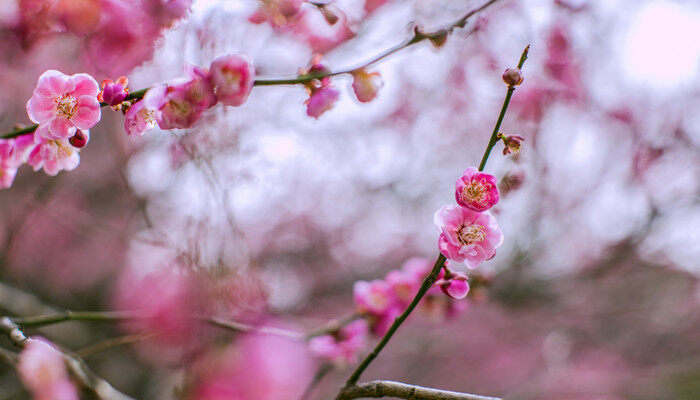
(87, 112)
(41, 109)
(85, 85)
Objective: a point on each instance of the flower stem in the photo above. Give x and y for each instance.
(427, 284)
(494, 135)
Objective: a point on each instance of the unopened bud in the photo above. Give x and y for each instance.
(79, 140)
(513, 77)
(512, 143)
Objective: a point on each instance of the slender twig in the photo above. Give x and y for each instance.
(427, 283)
(68, 315)
(439, 263)
(418, 36)
(494, 135)
(87, 380)
(114, 342)
(321, 373)
(240, 327)
(333, 326)
(377, 389)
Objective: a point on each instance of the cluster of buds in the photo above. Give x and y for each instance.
(114, 93)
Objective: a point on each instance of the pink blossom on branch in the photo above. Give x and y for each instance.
(62, 102)
(321, 100)
(180, 104)
(113, 93)
(139, 119)
(467, 236)
(342, 346)
(54, 155)
(455, 285)
(366, 85)
(232, 77)
(42, 370)
(476, 190)
(13, 153)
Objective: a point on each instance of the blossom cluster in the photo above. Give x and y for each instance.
(43, 371)
(323, 95)
(469, 234)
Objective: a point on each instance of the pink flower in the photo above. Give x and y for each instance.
(374, 297)
(139, 119)
(455, 285)
(113, 93)
(258, 367)
(13, 153)
(62, 102)
(366, 85)
(232, 76)
(342, 346)
(43, 371)
(54, 155)
(512, 143)
(180, 104)
(476, 190)
(467, 236)
(277, 12)
(321, 100)
(170, 300)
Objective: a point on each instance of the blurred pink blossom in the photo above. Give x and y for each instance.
(232, 77)
(321, 100)
(256, 367)
(42, 370)
(13, 153)
(477, 191)
(61, 102)
(467, 236)
(342, 346)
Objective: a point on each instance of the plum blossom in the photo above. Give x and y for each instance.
(43, 371)
(113, 93)
(54, 155)
(366, 85)
(321, 100)
(180, 104)
(342, 346)
(13, 153)
(63, 103)
(139, 119)
(476, 190)
(232, 77)
(170, 300)
(467, 236)
(260, 367)
(378, 302)
(512, 143)
(277, 12)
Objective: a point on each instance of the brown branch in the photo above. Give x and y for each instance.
(377, 389)
(76, 367)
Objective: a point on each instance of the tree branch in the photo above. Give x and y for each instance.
(77, 368)
(377, 389)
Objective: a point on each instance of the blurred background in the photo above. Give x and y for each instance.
(594, 294)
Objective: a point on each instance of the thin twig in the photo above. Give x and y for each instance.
(494, 135)
(418, 36)
(94, 316)
(377, 389)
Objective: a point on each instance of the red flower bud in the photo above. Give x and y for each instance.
(79, 140)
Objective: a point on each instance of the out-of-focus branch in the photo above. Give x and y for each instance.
(377, 389)
(77, 368)
(418, 36)
(436, 36)
(94, 316)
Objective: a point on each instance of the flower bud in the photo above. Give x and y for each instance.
(366, 85)
(328, 13)
(513, 77)
(113, 93)
(512, 143)
(80, 139)
(454, 285)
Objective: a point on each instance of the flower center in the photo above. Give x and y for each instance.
(180, 107)
(232, 77)
(475, 192)
(65, 106)
(471, 234)
(149, 116)
(62, 151)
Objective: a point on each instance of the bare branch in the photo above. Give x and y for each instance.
(377, 389)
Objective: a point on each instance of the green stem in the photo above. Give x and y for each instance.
(427, 284)
(494, 135)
